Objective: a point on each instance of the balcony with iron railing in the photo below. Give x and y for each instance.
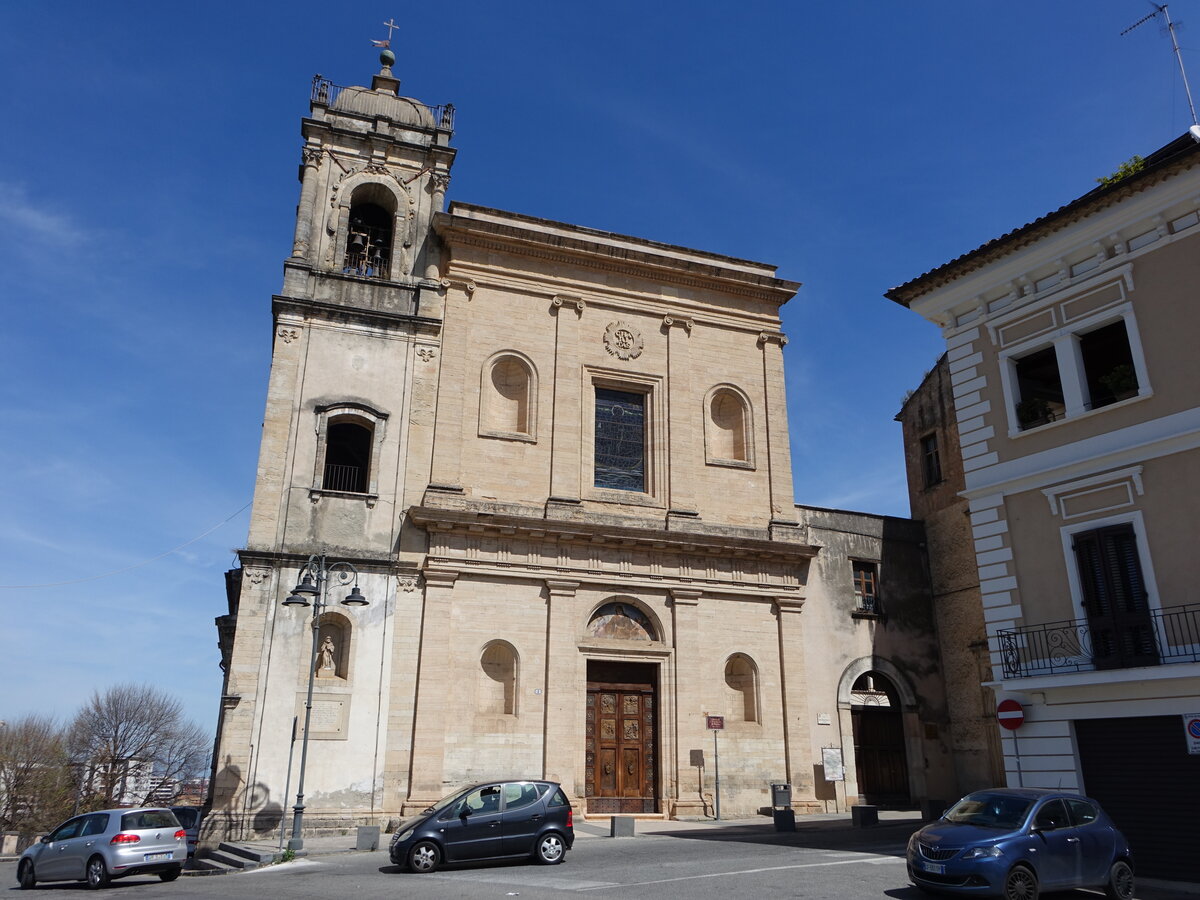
(1164, 636)
(325, 93)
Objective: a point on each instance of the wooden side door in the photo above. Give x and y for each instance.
(879, 755)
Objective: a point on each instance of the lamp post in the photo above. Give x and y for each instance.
(308, 593)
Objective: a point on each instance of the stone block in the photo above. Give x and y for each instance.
(368, 838)
(621, 826)
(864, 816)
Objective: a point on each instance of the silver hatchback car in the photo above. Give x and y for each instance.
(97, 847)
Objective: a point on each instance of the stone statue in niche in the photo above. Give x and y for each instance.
(327, 658)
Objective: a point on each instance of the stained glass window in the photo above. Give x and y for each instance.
(620, 461)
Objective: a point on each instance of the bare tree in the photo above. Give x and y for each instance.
(135, 730)
(36, 784)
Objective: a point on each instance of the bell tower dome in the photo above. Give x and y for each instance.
(374, 170)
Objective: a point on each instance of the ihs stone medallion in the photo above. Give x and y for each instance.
(623, 341)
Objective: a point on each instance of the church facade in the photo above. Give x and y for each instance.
(555, 463)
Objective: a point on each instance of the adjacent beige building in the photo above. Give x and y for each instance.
(1070, 348)
(557, 459)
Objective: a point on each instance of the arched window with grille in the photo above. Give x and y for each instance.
(349, 438)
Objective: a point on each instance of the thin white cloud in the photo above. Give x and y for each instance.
(31, 223)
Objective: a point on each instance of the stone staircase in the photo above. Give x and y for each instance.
(232, 858)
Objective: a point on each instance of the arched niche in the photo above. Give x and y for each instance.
(499, 669)
(741, 689)
(728, 427)
(508, 397)
(334, 634)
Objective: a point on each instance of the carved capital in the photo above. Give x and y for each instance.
(561, 300)
(685, 322)
(312, 156)
(789, 604)
(426, 353)
(685, 597)
(772, 337)
(255, 575)
(287, 335)
(407, 583)
(439, 578)
(561, 587)
(467, 286)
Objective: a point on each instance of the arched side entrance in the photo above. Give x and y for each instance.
(878, 712)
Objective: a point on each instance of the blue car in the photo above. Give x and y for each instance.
(1015, 842)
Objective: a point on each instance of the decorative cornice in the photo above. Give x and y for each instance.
(439, 520)
(538, 238)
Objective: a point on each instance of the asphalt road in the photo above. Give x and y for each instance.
(692, 865)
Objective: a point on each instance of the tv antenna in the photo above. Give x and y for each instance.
(1162, 8)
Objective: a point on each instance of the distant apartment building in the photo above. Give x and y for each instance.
(1071, 356)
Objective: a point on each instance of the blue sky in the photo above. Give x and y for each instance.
(148, 187)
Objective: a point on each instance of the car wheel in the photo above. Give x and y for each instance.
(1120, 881)
(97, 874)
(1021, 884)
(26, 877)
(424, 857)
(170, 874)
(550, 849)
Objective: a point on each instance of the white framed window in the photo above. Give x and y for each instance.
(1076, 370)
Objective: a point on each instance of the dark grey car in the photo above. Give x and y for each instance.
(491, 820)
(97, 847)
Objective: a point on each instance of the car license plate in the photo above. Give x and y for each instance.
(935, 868)
(153, 857)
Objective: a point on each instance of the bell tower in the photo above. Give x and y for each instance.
(348, 426)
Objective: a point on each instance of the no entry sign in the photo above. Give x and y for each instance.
(1010, 714)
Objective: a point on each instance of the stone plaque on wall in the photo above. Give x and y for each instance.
(330, 713)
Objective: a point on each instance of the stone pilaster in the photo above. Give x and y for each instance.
(563, 697)
(566, 426)
(450, 411)
(779, 456)
(436, 667)
(682, 417)
(797, 739)
(689, 720)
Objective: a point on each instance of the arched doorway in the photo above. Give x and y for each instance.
(879, 755)
(621, 717)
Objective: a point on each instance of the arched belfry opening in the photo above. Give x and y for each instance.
(879, 754)
(370, 233)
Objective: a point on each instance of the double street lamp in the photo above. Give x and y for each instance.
(310, 592)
